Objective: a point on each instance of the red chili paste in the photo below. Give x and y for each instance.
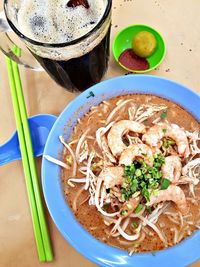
(133, 62)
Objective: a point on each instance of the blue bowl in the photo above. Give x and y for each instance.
(180, 255)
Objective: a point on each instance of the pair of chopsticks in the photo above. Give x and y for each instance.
(37, 211)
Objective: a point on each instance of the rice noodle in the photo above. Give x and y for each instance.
(137, 243)
(157, 120)
(181, 218)
(73, 142)
(155, 228)
(84, 154)
(131, 112)
(109, 118)
(114, 229)
(106, 103)
(80, 142)
(188, 180)
(91, 201)
(146, 111)
(88, 170)
(74, 205)
(56, 161)
(101, 131)
(194, 137)
(72, 154)
(191, 188)
(175, 236)
(181, 235)
(103, 195)
(75, 180)
(171, 213)
(99, 183)
(124, 226)
(153, 217)
(172, 219)
(130, 237)
(102, 142)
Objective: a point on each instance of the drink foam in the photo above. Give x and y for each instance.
(53, 22)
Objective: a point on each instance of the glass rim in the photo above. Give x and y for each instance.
(57, 45)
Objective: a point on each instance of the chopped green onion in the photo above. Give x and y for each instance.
(139, 208)
(168, 143)
(129, 206)
(138, 173)
(146, 194)
(134, 223)
(144, 154)
(164, 131)
(165, 184)
(106, 206)
(141, 177)
(124, 212)
(156, 192)
(149, 209)
(132, 168)
(163, 115)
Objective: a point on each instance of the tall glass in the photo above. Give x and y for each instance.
(75, 65)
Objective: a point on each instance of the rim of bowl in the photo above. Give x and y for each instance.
(58, 212)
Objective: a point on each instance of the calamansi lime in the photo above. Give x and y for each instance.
(144, 44)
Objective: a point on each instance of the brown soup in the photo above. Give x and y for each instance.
(142, 228)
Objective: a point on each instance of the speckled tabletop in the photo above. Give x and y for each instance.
(179, 22)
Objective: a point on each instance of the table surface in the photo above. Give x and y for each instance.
(179, 22)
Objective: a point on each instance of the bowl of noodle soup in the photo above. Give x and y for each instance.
(120, 173)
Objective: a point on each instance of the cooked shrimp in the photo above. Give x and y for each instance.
(129, 206)
(172, 193)
(155, 134)
(172, 168)
(134, 152)
(118, 130)
(112, 176)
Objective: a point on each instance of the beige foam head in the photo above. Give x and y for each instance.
(53, 22)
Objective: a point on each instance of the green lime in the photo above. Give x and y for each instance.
(144, 44)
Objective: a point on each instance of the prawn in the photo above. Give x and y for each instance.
(129, 206)
(172, 193)
(171, 169)
(112, 176)
(154, 135)
(117, 131)
(136, 151)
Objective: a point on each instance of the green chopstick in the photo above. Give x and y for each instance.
(37, 212)
(33, 207)
(36, 188)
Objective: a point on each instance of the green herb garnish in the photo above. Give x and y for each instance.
(134, 223)
(168, 143)
(165, 184)
(164, 131)
(144, 154)
(149, 209)
(141, 177)
(139, 208)
(129, 206)
(163, 115)
(106, 206)
(91, 94)
(124, 212)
